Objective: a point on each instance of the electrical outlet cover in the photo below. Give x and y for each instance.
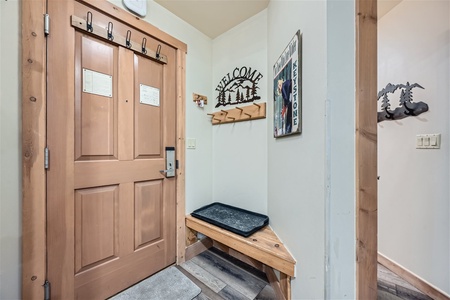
(137, 6)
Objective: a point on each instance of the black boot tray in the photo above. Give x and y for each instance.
(234, 219)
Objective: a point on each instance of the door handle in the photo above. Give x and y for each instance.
(170, 163)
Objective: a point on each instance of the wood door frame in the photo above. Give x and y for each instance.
(34, 140)
(34, 136)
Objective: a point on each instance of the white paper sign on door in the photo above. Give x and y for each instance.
(149, 95)
(97, 83)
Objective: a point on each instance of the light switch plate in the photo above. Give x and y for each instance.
(428, 141)
(191, 143)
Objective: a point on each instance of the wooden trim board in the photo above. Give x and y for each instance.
(412, 278)
(33, 143)
(366, 149)
(181, 155)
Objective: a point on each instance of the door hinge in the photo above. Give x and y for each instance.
(46, 290)
(46, 158)
(46, 24)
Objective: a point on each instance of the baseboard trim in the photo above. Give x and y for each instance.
(413, 279)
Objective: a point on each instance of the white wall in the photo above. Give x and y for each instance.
(311, 197)
(340, 151)
(240, 149)
(414, 46)
(296, 165)
(10, 151)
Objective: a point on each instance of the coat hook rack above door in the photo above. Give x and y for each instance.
(239, 114)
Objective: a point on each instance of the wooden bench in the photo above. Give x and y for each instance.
(262, 250)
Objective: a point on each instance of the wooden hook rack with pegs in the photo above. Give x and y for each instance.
(239, 114)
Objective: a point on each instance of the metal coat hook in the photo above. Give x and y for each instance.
(127, 39)
(240, 109)
(158, 51)
(259, 106)
(110, 30)
(89, 27)
(224, 111)
(144, 44)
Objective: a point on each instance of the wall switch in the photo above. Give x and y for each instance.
(191, 143)
(428, 141)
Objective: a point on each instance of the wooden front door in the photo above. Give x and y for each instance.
(111, 213)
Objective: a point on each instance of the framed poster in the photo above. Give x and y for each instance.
(287, 90)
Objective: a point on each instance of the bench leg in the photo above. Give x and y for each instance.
(285, 284)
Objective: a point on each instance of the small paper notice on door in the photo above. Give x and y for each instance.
(149, 95)
(97, 83)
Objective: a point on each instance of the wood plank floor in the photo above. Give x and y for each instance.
(221, 276)
(388, 282)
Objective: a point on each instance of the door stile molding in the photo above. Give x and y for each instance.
(34, 106)
(366, 149)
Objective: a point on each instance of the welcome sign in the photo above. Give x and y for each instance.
(287, 79)
(238, 86)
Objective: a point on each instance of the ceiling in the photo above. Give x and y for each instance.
(214, 17)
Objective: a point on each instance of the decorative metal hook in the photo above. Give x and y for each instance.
(89, 27)
(144, 44)
(110, 31)
(127, 39)
(158, 52)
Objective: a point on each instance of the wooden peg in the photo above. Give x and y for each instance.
(259, 106)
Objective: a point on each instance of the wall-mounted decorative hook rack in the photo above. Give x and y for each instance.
(239, 114)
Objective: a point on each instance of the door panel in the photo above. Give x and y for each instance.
(95, 115)
(148, 76)
(148, 212)
(118, 224)
(96, 220)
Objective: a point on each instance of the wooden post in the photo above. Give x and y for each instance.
(33, 143)
(366, 149)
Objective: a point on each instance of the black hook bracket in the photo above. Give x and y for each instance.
(144, 44)
(127, 39)
(110, 31)
(158, 52)
(89, 27)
